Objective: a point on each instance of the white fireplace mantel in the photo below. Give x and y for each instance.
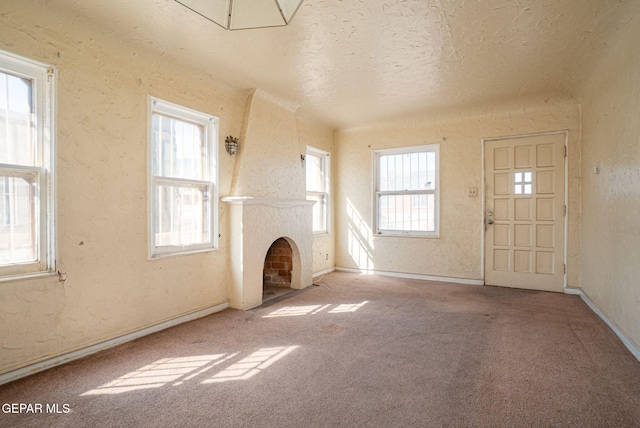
(255, 224)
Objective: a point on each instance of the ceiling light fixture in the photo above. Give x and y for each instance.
(245, 14)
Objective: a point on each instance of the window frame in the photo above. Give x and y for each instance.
(326, 194)
(210, 183)
(43, 94)
(434, 148)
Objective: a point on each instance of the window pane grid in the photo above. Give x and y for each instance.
(183, 191)
(407, 212)
(406, 192)
(317, 186)
(523, 182)
(412, 171)
(26, 149)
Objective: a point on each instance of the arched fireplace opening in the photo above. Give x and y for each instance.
(278, 263)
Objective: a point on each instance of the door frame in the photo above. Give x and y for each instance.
(483, 192)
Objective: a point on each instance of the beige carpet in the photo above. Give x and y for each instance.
(356, 351)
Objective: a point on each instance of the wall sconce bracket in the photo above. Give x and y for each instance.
(231, 145)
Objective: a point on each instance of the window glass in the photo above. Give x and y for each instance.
(18, 240)
(317, 184)
(26, 150)
(406, 190)
(180, 148)
(409, 171)
(315, 173)
(182, 178)
(522, 183)
(181, 215)
(17, 124)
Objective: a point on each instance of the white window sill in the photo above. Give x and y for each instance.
(406, 235)
(28, 276)
(181, 253)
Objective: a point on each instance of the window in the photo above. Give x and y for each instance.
(183, 180)
(522, 183)
(317, 168)
(26, 167)
(406, 191)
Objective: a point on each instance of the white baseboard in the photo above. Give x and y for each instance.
(74, 355)
(630, 344)
(323, 272)
(412, 276)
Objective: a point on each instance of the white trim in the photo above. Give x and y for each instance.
(629, 343)
(565, 253)
(483, 142)
(83, 352)
(326, 192)
(27, 276)
(210, 125)
(250, 200)
(180, 253)
(412, 276)
(375, 213)
(533, 134)
(323, 272)
(43, 93)
(483, 206)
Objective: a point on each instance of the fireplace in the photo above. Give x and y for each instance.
(277, 265)
(256, 224)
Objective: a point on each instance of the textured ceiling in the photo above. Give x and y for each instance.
(351, 62)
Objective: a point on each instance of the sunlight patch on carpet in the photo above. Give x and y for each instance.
(348, 307)
(160, 373)
(295, 311)
(252, 365)
(176, 371)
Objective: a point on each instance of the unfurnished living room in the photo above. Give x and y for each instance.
(325, 213)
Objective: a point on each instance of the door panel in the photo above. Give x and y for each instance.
(524, 208)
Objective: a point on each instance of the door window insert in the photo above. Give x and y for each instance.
(523, 182)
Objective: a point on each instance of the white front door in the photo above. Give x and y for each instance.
(524, 212)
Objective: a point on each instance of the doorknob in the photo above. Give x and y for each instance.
(489, 217)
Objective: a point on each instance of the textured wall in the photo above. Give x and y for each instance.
(102, 104)
(111, 287)
(457, 253)
(611, 199)
(320, 137)
(269, 139)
